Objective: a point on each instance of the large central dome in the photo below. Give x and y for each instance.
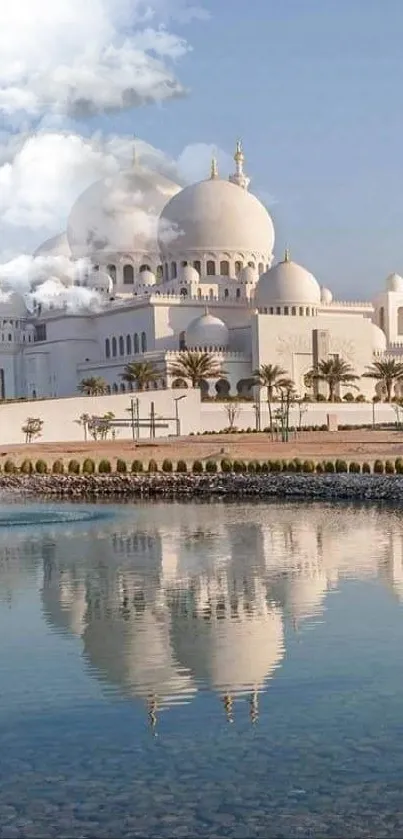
(120, 214)
(216, 216)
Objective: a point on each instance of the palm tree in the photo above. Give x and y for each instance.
(334, 371)
(387, 372)
(272, 377)
(140, 373)
(93, 386)
(196, 366)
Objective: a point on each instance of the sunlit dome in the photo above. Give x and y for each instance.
(147, 278)
(216, 216)
(100, 281)
(379, 342)
(56, 246)
(189, 274)
(394, 282)
(248, 275)
(326, 296)
(207, 331)
(287, 282)
(120, 213)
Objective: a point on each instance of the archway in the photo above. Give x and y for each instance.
(222, 387)
(204, 388)
(179, 383)
(245, 388)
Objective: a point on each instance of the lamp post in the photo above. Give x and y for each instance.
(177, 399)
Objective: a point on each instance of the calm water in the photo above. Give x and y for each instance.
(201, 670)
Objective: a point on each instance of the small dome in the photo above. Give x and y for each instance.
(146, 278)
(248, 275)
(189, 274)
(394, 283)
(378, 339)
(287, 282)
(216, 216)
(326, 295)
(56, 246)
(100, 281)
(207, 331)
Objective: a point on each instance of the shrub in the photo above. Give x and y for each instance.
(308, 466)
(329, 466)
(275, 465)
(181, 466)
(197, 467)
(378, 467)
(10, 467)
(297, 464)
(321, 397)
(366, 469)
(348, 397)
(104, 467)
(211, 467)
(226, 465)
(252, 467)
(399, 466)
(74, 467)
(360, 398)
(152, 466)
(284, 465)
(167, 465)
(239, 466)
(291, 466)
(27, 467)
(88, 466)
(41, 467)
(341, 466)
(389, 467)
(264, 468)
(354, 468)
(58, 467)
(137, 466)
(121, 466)
(320, 468)
(258, 467)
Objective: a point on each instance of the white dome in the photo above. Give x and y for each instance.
(56, 246)
(120, 214)
(326, 295)
(216, 216)
(248, 275)
(146, 278)
(394, 282)
(12, 306)
(207, 331)
(378, 338)
(100, 281)
(189, 274)
(287, 282)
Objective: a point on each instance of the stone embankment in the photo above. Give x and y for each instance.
(300, 486)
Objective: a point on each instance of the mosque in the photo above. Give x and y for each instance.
(166, 268)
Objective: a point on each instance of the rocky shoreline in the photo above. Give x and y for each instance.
(189, 486)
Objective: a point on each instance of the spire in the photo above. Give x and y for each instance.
(239, 178)
(214, 168)
(287, 255)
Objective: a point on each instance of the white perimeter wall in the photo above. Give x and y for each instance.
(60, 415)
(214, 417)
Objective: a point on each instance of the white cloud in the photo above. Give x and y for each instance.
(48, 281)
(79, 58)
(194, 162)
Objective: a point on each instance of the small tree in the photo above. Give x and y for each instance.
(232, 410)
(32, 429)
(83, 420)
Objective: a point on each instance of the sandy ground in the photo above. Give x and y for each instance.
(350, 445)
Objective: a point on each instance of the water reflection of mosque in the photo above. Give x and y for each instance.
(201, 596)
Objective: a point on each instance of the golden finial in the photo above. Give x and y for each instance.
(238, 156)
(254, 707)
(152, 714)
(214, 168)
(287, 255)
(228, 703)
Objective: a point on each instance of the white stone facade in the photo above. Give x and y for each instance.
(176, 268)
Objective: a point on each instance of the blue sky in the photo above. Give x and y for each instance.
(314, 89)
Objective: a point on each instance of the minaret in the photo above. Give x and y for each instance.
(239, 178)
(214, 168)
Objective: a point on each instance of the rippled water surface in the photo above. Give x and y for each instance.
(201, 670)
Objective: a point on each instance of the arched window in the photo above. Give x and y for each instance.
(222, 387)
(286, 310)
(10, 337)
(211, 293)
(293, 311)
(301, 311)
(238, 293)
(114, 347)
(251, 265)
(197, 265)
(199, 293)
(111, 269)
(128, 345)
(184, 292)
(210, 268)
(108, 348)
(143, 342)
(271, 310)
(382, 318)
(144, 267)
(128, 274)
(174, 272)
(136, 348)
(184, 263)
(123, 388)
(115, 388)
(278, 310)
(260, 268)
(224, 268)
(226, 292)
(307, 312)
(166, 270)
(182, 340)
(159, 272)
(121, 346)
(238, 268)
